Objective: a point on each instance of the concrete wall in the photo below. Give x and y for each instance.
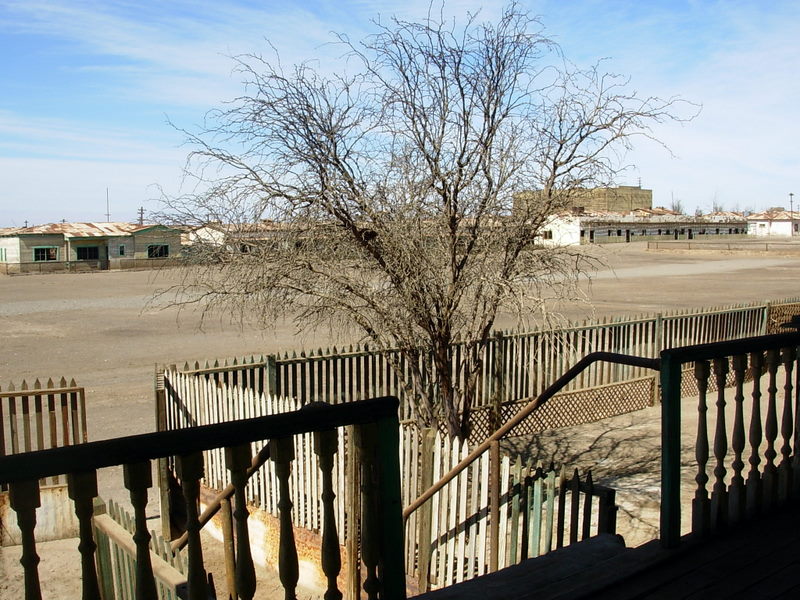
(28, 242)
(115, 243)
(156, 236)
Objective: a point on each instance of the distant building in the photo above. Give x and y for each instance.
(621, 199)
(775, 221)
(599, 227)
(86, 246)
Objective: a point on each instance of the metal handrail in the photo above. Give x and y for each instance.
(553, 389)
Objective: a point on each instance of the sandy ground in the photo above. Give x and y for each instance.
(97, 328)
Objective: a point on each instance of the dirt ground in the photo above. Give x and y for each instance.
(97, 328)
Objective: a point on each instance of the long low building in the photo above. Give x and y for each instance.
(600, 227)
(86, 246)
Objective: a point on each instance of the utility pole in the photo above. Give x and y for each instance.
(791, 213)
(141, 215)
(108, 211)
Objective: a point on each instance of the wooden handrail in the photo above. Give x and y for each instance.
(554, 388)
(162, 444)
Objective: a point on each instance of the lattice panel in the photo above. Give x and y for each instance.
(689, 381)
(780, 314)
(572, 408)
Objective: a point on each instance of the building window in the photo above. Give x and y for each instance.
(88, 252)
(122, 249)
(158, 251)
(547, 234)
(46, 253)
(2, 255)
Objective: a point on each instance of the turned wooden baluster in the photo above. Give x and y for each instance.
(237, 460)
(325, 446)
(700, 503)
(190, 470)
(796, 443)
(281, 451)
(736, 490)
(788, 356)
(366, 440)
(719, 495)
(82, 489)
(770, 484)
(24, 499)
(138, 479)
(753, 475)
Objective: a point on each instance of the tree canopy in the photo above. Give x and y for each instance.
(391, 196)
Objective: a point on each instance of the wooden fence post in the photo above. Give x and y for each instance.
(353, 500)
(424, 514)
(498, 381)
(765, 320)
(670, 527)
(271, 376)
(162, 476)
(228, 545)
(494, 505)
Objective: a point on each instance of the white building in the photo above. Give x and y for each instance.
(600, 227)
(773, 222)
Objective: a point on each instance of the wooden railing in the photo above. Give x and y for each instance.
(116, 552)
(747, 440)
(37, 417)
(490, 448)
(379, 521)
(496, 513)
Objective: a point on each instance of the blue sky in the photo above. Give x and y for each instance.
(86, 89)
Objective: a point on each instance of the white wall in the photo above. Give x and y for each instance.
(566, 231)
(11, 247)
(763, 228)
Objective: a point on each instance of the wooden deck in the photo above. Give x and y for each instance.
(759, 560)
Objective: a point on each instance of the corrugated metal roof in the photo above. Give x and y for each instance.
(774, 215)
(79, 230)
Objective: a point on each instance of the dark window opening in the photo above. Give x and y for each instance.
(88, 252)
(158, 251)
(547, 234)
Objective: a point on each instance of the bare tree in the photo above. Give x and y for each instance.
(384, 198)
